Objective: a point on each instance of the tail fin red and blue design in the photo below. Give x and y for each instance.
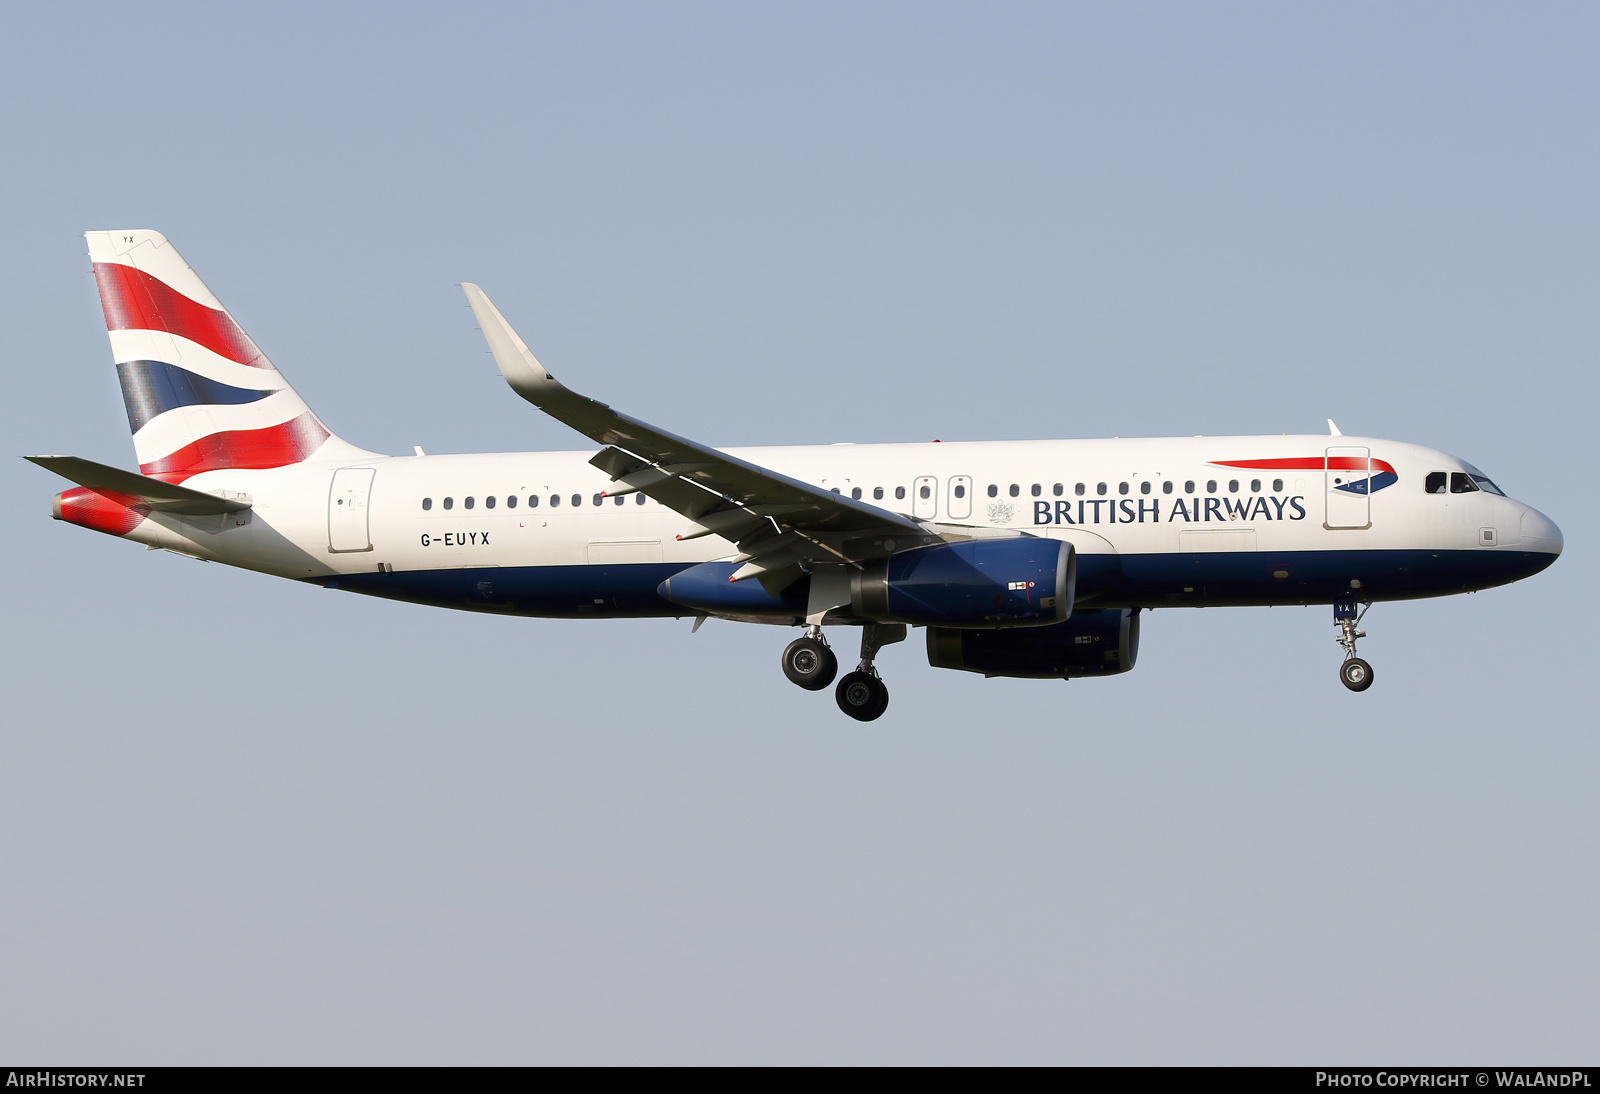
(200, 395)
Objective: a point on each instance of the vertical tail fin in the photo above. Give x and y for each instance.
(200, 394)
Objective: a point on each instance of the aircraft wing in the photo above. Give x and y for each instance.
(130, 488)
(778, 522)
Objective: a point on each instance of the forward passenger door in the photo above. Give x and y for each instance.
(1348, 474)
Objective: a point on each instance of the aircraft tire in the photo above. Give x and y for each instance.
(1356, 674)
(809, 663)
(862, 696)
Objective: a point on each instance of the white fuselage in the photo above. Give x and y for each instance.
(1146, 502)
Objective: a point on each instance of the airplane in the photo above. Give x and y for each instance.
(1030, 559)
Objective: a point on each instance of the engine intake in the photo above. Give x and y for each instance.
(1024, 582)
(1092, 643)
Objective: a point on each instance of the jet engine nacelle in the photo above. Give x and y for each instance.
(1024, 582)
(1092, 643)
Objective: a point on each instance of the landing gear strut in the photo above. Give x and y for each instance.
(862, 694)
(1355, 673)
(809, 662)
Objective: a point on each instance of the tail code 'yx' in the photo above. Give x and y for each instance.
(200, 395)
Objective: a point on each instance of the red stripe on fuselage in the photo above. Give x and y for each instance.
(1309, 463)
(274, 446)
(133, 300)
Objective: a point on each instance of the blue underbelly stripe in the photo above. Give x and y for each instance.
(1149, 580)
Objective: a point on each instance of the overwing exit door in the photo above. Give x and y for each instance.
(959, 505)
(348, 500)
(1348, 475)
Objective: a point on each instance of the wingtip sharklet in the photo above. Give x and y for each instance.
(518, 365)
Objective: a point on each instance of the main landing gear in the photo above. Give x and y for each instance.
(1355, 673)
(809, 662)
(861, 694)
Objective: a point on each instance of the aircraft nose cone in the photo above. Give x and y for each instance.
(1539, 533)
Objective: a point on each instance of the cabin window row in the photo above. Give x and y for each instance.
(1168, 486)
(1080, 489)
(532, 501)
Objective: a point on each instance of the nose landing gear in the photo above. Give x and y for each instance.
(1355, 673)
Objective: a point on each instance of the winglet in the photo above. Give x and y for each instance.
(518, 365)
(1333, 430)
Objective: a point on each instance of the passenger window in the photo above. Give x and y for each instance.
(1122, 488)
(1211, 486)
(467, 504)
(1100, 488)
(961, 491)
(1144, 487)
(619, 500)
(856, 493)
(1233, 486)
(1188, 487)
(1166, 487)
(1015, 490)
(900, 492)
(1277, 486)
(449, 503)
(1079, 489)
(1037, 490)
(994, 491)
(1435, 482)
(511, 501)
(599, 499)
(555, 500)
(1255, 486)
(836, 490)
(427, 503)
(926, 493)
(1058, 489)
(488, 502)
(533, 501)
(1462, 483)
(877, 493)
(638, 499)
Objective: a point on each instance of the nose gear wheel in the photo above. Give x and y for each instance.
(1354, 673)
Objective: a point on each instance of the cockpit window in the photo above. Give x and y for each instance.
(1484, 483)
(1435, 483)
(1461, 483)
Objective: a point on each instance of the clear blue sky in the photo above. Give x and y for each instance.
(246, 821)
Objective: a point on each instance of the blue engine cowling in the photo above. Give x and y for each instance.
(1024, 582)
(1092, 643)
(707, 588)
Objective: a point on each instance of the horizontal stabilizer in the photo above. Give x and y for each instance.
(129, 488)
